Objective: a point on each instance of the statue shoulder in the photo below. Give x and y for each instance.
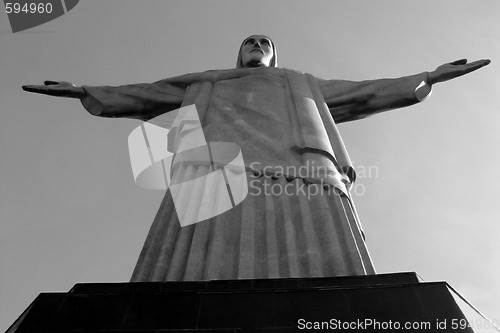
(216, 75)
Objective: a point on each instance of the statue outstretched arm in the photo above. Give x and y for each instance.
(349, 100)
(138, 101)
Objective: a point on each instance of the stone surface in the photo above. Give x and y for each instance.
(284, 122)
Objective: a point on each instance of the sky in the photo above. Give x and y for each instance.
(428, 183)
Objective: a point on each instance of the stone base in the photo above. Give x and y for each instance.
(272, 305)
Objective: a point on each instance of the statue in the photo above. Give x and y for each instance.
(284, 121)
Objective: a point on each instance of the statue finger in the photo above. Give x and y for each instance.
(50, 83)
(476, 65)
(459, 62)
(46, 90)
(34, 88)
(482, 62)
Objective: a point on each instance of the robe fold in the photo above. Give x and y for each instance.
(298, 219)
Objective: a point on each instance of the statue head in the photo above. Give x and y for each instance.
(257, 51)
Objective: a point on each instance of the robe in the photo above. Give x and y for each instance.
(298, 219)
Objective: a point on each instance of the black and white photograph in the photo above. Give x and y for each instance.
(237, 166)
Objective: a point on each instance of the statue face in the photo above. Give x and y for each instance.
(256, 51)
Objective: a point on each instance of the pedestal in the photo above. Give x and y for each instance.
(376, 303)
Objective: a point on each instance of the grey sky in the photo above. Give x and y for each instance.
(70, 211)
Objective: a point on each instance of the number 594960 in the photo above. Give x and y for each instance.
(28, 8)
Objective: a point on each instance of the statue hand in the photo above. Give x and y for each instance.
(455, 69)
(57, 88)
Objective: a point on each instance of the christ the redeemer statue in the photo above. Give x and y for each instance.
(282, 120)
